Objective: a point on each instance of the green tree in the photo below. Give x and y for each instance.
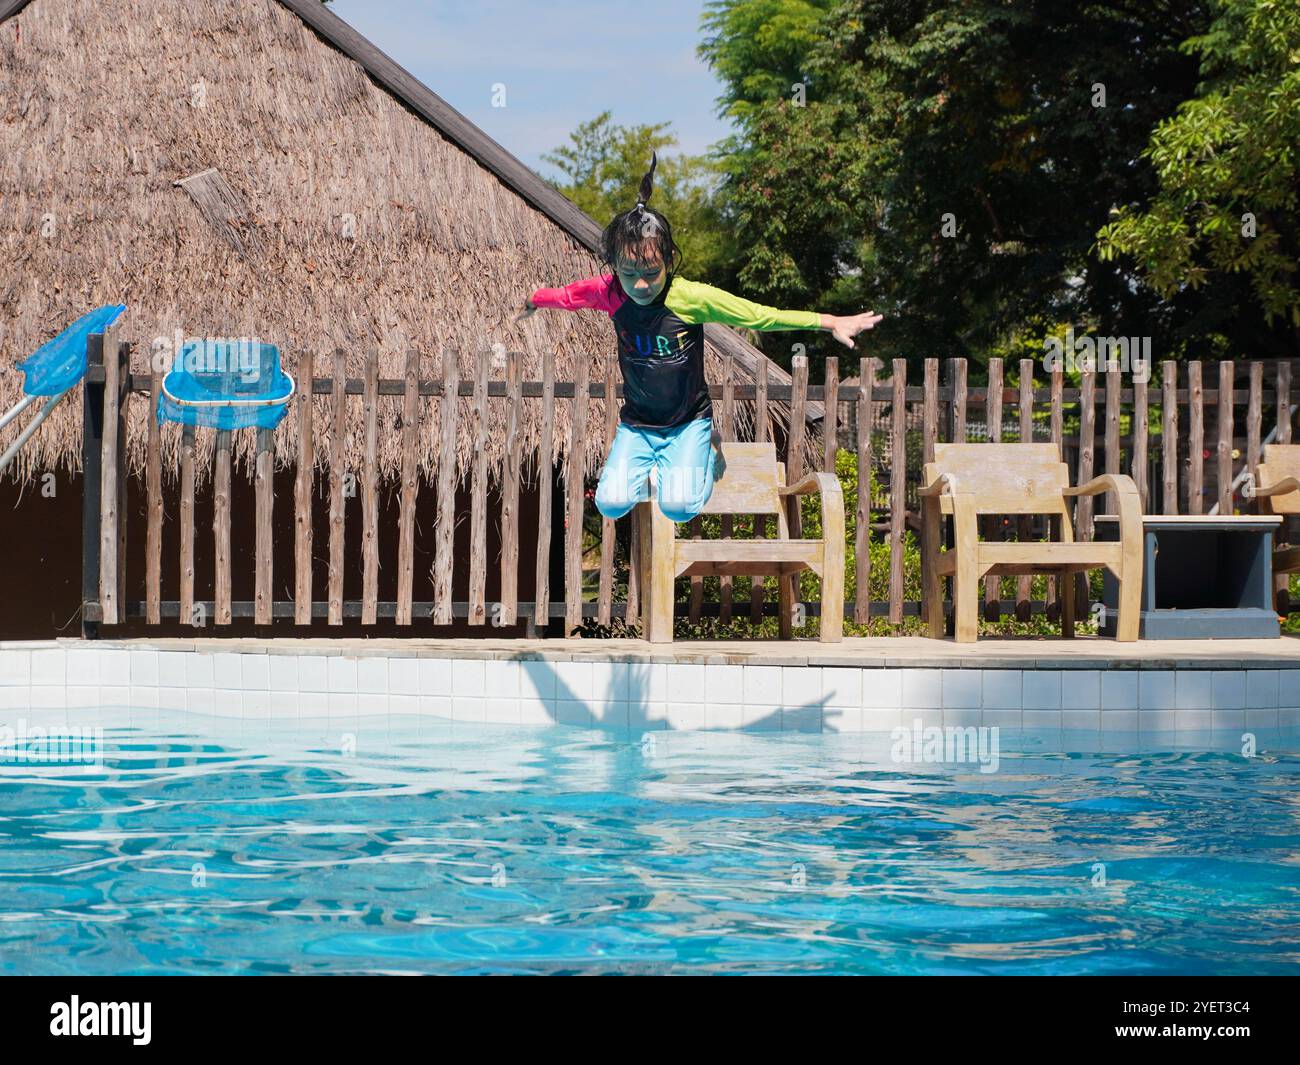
(952, 162)
(1229, 170)
(602, 166)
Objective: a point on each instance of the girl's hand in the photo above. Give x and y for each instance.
(845, 328)
(528, 311)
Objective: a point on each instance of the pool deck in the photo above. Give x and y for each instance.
(876, 652)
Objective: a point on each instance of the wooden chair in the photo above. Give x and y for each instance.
(750, 481)
(967, 480)
(1277, 487)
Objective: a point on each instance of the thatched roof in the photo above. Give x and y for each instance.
(105, 108)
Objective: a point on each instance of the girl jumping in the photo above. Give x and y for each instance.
(666, 422)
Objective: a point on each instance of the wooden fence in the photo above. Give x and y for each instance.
(1087, 422)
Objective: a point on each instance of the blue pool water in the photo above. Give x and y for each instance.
(203, 846)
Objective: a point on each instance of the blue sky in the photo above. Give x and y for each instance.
(561, 63)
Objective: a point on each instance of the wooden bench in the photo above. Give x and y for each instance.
(967, 480)
(1277, 488)
(749, 481)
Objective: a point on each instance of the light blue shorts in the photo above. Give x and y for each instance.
(682, 458)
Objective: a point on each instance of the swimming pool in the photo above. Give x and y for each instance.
(203, 845)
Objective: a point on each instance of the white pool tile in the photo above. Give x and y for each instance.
(1229, 719)
(172, 699)
(342, 675)
(725, 685)
(762, 685)
(404, 676)
(372, 704)
(882, 719)
(1156, 690)
(1082, 720)
(343, 706)
(1194, 689)
(923, 718)
(284, 705)
(686, 683)
(372, 675)
(313, 705)
(1261, 689)
(1194, 720)
(256, 671)
(438, 706)
(1040, 720)
(227, 702)
(963, 689)
(720, 717)
(51, 667)
(1002, 689)
(1119, 689)
(198, 670)
(115, 695)
(435, 676)
(1080, 689)
(686, 715)
(198, 700)
(882, 689)
(1288, 687)
(1261, 719)
(257, 704)
(648, 716)
(144, 668)
(83, 696)
(842, 719)
(647, 682)
(1229, 689)
(226, 671)
(576, 681)
(801, 718)
(534, 711)
(171, 669)
(1041, 690)
(1288, 717)
(50, 696)
(611, 681)
(1119, 721)
(762, 717)
(1157, 721)
(842, 687)
(801, 686)
(612, 714)
(282, 671)
(501, 710)
(922, 689)
(501, 679)
(83, 668)
(15, 668)
(115, 667)
(403, 705)
(996, 717)
(962, 717)
(537, 679)
(573, 712)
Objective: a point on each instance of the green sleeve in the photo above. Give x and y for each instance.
(693, 301)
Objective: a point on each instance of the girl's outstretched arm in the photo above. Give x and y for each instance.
(598, 293)
(696, 302)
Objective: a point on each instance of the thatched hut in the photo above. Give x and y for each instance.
(258, 168)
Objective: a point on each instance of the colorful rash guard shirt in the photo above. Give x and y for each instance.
(661, 344)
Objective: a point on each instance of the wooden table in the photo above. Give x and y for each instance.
(1203, 576)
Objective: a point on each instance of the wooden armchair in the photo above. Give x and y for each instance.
(967, 480)
(1277, 487)
(750, 481)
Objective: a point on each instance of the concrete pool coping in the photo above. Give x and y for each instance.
(870, 652)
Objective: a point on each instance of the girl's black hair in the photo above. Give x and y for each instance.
(629, 231)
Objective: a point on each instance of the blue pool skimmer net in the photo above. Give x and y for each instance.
(226, 383)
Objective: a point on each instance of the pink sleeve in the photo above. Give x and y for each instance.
(599, 293)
